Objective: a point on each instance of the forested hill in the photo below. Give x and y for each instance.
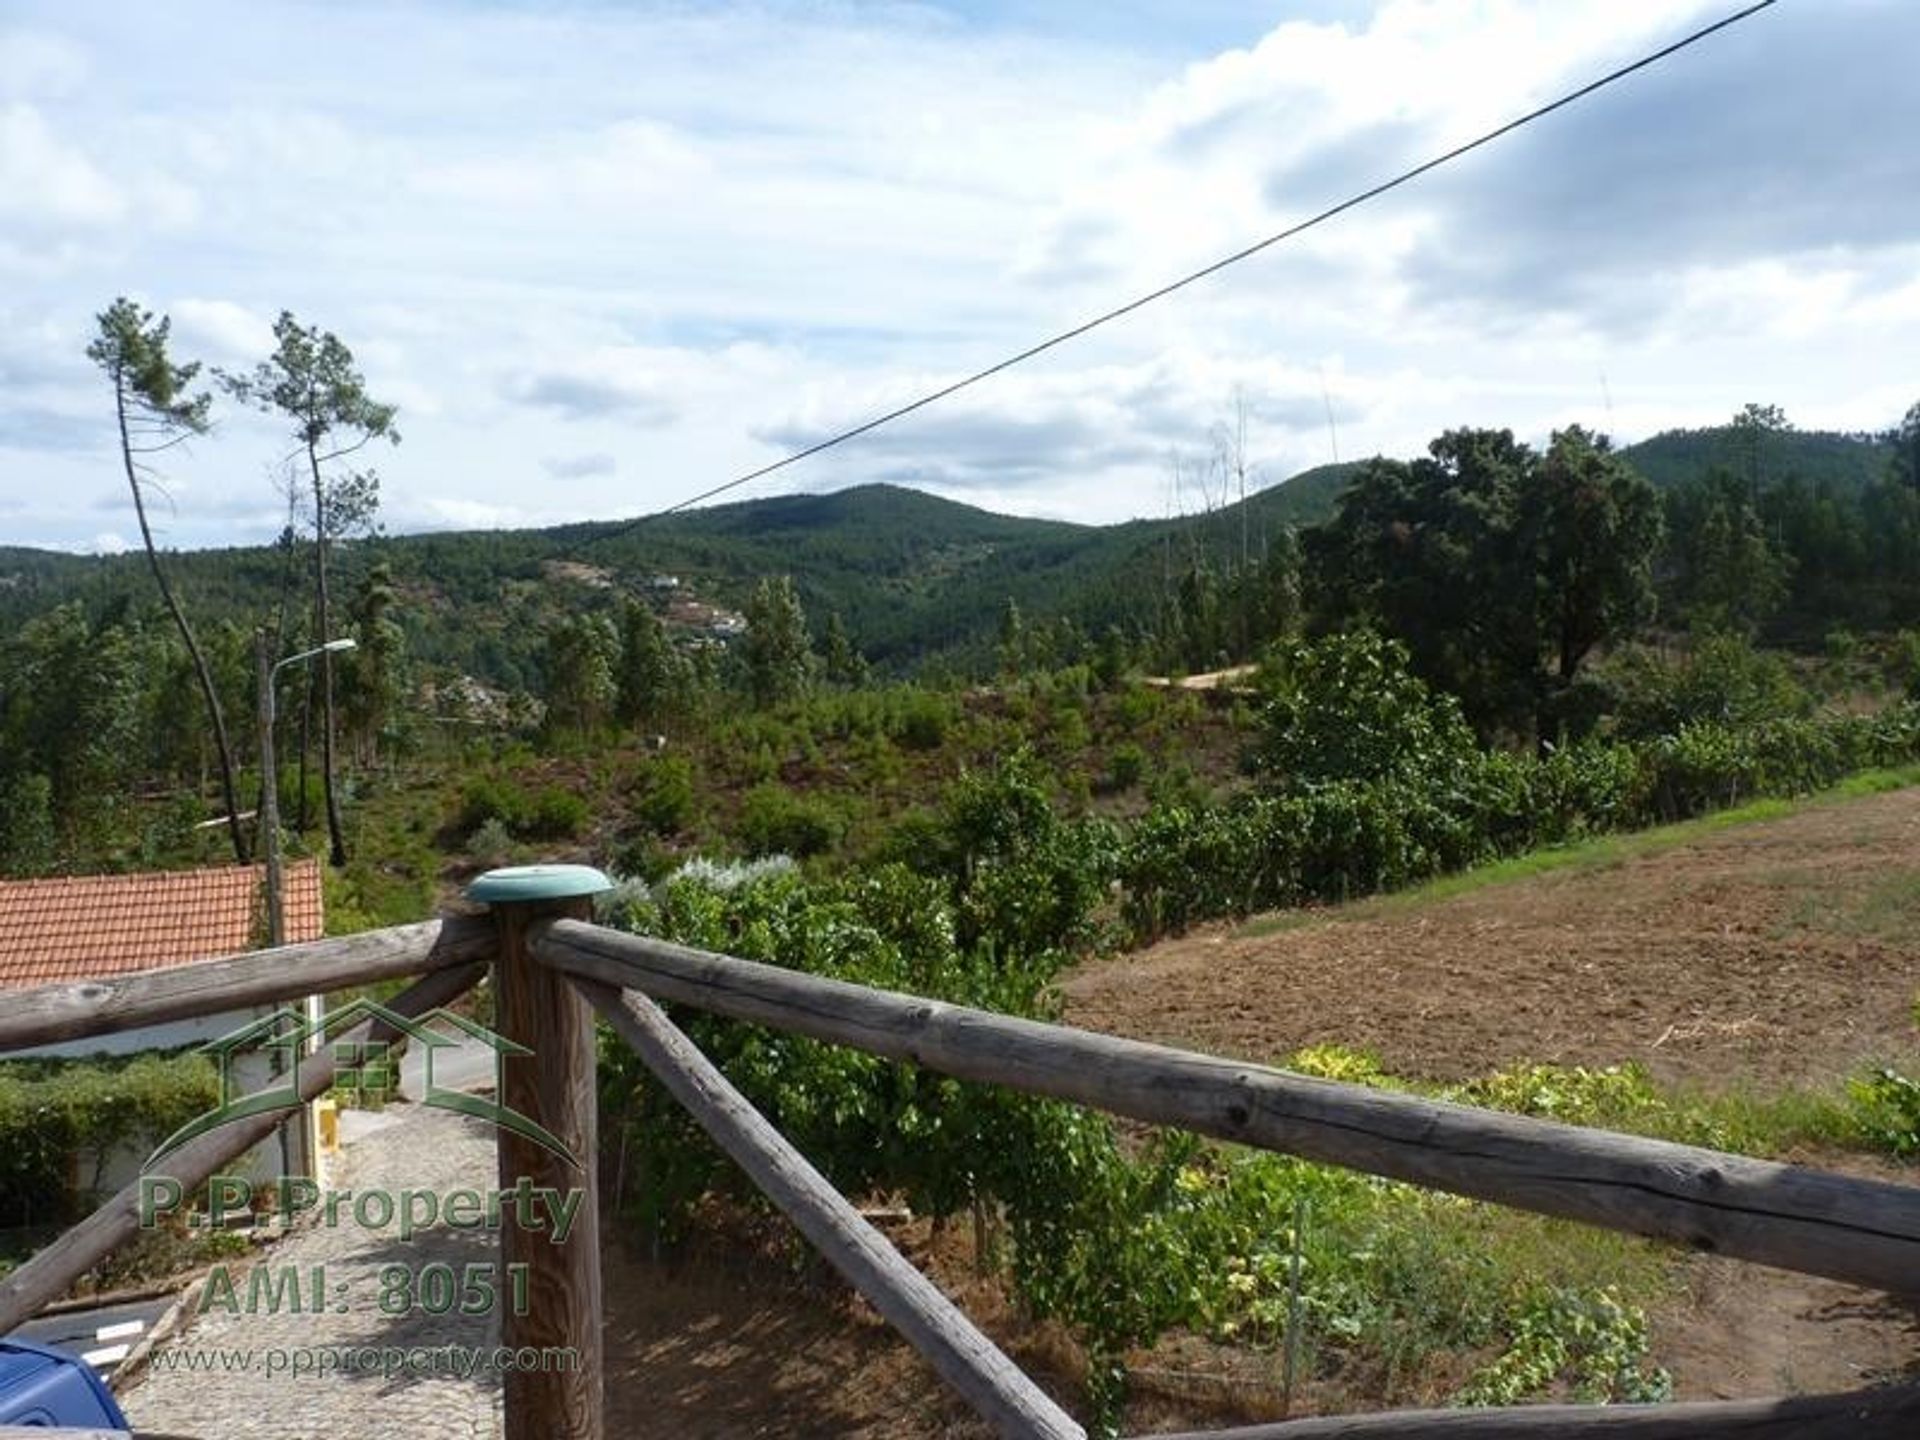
(913, 576)
(1816, 456)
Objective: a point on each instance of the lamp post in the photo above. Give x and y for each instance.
(269, 774)
(270, 837)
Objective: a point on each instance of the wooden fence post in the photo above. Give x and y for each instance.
(556, 1308)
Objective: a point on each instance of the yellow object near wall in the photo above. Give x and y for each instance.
(328, 1112)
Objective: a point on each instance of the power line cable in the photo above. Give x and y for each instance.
(1194, 277)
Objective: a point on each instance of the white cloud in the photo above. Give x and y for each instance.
(223, 331)
(45, 182)
(605, 257)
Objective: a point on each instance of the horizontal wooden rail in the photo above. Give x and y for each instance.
(996, 1388)
(1890, 1414)
(48, 1274)
(53, 1013)
(1863, 1231)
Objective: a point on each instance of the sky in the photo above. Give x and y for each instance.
(603, 256)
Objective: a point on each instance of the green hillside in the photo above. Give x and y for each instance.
(913, 575)
(1815, 456)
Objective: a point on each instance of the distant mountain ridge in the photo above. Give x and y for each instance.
(912, 574)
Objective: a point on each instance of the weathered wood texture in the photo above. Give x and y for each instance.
(52, 1013)
(48, 1274)
(1863, 1231)
(1890, 1414)
(554, 1087)
(991, 1383)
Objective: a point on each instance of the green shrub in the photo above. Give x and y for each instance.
(924, 719)
(485, 797)
(663, 792)
(50, 1110)
(1722, 681)
(1348, 707)
(1886, 1111)
(777, 821)
(491, 844)
(555, 814)
(1125, 767)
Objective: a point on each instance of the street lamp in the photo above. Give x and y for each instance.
(270, 838)
(269, 773)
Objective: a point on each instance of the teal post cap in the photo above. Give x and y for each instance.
(537, 882)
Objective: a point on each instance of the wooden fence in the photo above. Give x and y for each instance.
(552, 970)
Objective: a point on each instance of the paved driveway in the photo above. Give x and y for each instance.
(261, 1374)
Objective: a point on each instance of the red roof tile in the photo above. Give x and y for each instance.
(89, 926)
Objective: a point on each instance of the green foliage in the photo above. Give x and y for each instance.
(1347, 707)
(1126, 766)
(654, 680)
(1501, 569)
(556, 814)
(663, 794)
(491, 843)
(777, 821)
(51, 1110)
(1429, 807)
(778, 658)
(550, 813)
(1592, 1340)
(1729, 573)
(1886, 1111)
(311, 380)
(582, 653)
(1722, 679)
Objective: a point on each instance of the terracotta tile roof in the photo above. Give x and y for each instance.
(88, 926)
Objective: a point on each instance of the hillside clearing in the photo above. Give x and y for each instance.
(1740, 958)
(1786, 950)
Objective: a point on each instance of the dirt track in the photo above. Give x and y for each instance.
(1785, 950)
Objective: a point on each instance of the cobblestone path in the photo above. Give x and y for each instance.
(212, 1379)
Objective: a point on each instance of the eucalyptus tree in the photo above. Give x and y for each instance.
(157, 409)
(779, 660)
(653, 680)
(311, 381)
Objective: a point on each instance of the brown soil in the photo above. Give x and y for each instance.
(1783, 951)
(1762, 955)
(1769, 953)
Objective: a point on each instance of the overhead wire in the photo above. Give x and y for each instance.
(1247, 252)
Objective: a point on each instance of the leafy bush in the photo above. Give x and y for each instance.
(1594, 1340)
(663, 794)
(1348, 707)
(1724, 680)
(924, 719)
(1886, 1111)
(485, 798)
(1342, 837)
(1125, 767)
(555, 814)
(777, 821)
(491, 844)
(50, 1110)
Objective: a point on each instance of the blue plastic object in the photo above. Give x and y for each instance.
(538, 882)
(43, 1386)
